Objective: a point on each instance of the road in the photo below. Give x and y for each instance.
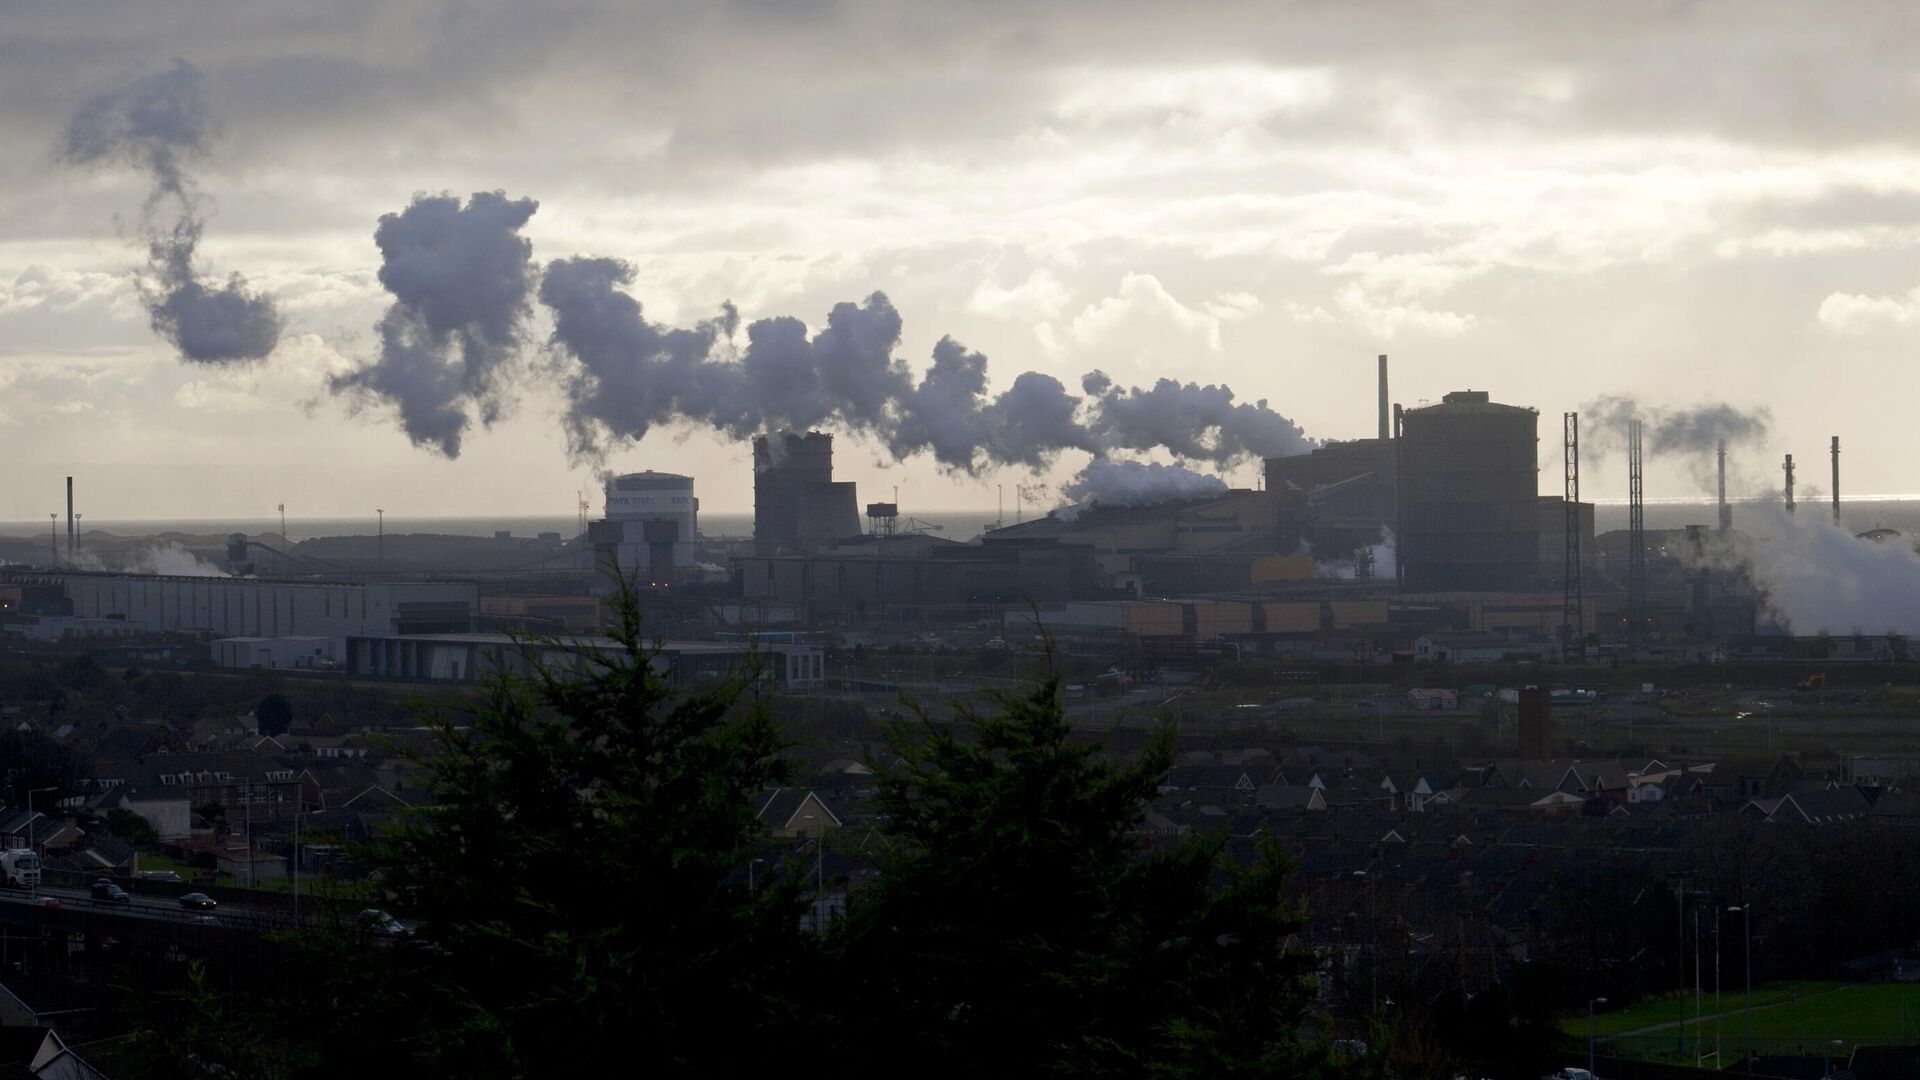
(154, 908)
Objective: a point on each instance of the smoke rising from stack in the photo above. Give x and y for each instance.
(462, 278)
(1110, 482)
(1692, 435)
(1691, 432)
(157, 124)
(624, 375)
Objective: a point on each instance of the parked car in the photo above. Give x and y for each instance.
(198, 901)
(107, 892)
(376, 921)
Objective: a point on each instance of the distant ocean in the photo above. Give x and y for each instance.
(1859, 515)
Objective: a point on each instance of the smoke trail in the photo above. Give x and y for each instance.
(1689, 432)
(1197, 422)
(461, 278)
(625, 375)
(1110, 482)
(155, 124)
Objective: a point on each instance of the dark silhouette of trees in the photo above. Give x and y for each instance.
(274, 714)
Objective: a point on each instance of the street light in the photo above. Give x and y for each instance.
(1591, 1030)
(1746, 920)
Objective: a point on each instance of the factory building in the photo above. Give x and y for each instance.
(651, 528)
(268, 608)
(465, 657)
(873, 577)
(1340, 496)
(797, 506)
(1468, 494)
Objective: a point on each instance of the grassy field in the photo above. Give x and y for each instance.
(1797, 1018)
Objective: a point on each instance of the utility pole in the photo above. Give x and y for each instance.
(1746, 914)
(382, 540)
(53, 536)
(1788, 468)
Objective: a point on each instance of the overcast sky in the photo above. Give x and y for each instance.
(1687, 202)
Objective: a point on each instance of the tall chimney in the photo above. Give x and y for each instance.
(1726, 512)
(1384, 430)
(1788, 467)
(70, 511)
(1836, 479)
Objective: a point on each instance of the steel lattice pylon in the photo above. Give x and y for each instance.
(1636, 540)
(1572, 618)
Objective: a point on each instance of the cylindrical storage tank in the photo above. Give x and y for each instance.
(1468, 481)
(641, 497)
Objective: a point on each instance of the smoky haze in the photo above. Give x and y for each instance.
(157, 124)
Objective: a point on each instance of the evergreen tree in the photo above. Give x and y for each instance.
(1020, 927)
(581, 878)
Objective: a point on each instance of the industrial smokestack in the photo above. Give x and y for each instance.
(1788, 468)
(1726, 512)
(1384, 430)
(1836, 479)
(1836, 503)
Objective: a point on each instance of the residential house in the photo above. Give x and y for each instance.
(794, 813)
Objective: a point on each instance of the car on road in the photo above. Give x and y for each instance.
(198, 901)
(48, 901)
(105, 891)
(376, 921)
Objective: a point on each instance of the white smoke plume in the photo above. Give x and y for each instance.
(157, 123)
(172, 560)
(1819, 577)
(626, 375)
(165, 559)
(1109, 482)
(1346, 567)
(462, 282)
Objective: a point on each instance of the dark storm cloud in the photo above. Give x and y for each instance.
(1774, 73)
(462, 280)
(156, 124)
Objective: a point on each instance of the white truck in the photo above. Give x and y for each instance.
(21, 866)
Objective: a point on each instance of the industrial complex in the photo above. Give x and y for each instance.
(1372, 549)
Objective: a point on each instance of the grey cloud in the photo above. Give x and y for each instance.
(462, 279)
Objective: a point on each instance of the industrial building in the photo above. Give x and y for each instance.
(1469, 486)
(265, 607)
(299, 653)
(465, 657)
(797, 506)
(651, 526)
(914, 576)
